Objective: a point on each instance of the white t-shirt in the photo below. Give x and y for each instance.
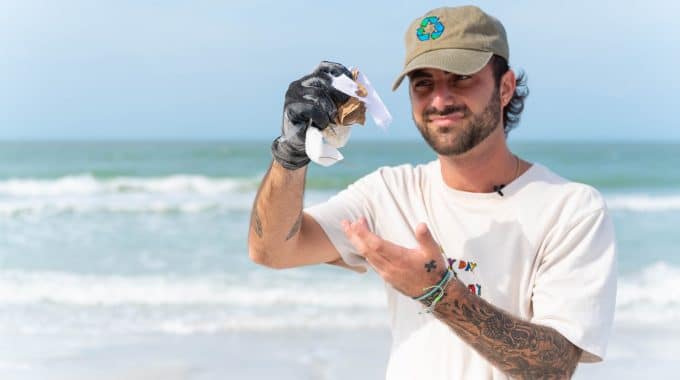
(543, 252)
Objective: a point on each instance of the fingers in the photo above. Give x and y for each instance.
(357, 242)
(370, 244)
(300, 113)
(357, 234)
(322, 102)
(322, 86)
(407, 270)
(310, 100)
(333, 68)
(326, 69)
(314, 98)
(322, 82)
(425, 239)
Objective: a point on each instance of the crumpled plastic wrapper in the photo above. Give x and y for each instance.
(353, 111)
(321, 146)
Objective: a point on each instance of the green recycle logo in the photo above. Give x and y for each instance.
(438, 27)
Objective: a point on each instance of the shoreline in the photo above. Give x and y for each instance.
(294, 354)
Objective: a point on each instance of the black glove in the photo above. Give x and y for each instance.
(310, 101)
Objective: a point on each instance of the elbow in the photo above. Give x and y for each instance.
(258, 255)
(263, 257)
(257, 252)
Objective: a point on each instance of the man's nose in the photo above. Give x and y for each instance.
(442, 96)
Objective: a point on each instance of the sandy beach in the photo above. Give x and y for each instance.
(290, 355)
(286, 355)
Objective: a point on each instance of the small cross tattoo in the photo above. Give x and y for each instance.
(430, 266)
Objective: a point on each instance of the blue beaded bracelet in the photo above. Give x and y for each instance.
(435, 288)
(436, 292)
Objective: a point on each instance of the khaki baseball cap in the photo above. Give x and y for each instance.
(459, 40)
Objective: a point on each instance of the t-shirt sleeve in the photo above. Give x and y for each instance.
(350, 204)
(575, 287)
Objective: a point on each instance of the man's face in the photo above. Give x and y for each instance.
(454, 113)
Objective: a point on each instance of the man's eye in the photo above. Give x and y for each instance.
(421, 83)
(463, 77)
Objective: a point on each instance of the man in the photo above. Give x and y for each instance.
(497, 267)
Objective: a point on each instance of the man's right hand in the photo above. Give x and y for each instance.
(310, 101)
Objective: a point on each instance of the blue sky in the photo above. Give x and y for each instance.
(219, 69)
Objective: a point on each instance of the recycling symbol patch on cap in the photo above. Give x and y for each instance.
(436, 29)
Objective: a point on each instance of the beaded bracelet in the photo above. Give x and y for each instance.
(434, 294)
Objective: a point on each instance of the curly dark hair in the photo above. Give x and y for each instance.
(513, 110)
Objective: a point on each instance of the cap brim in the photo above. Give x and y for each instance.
(457, 61)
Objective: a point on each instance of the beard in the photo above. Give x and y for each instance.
(471, 133)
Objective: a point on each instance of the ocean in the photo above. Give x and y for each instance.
(128, 260)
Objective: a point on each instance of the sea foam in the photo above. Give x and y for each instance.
(88, 194)
(185, 193)
(644, 202)
(222, 303)
(18, 287)
(181, 305)
(649, 298)
(87, 184)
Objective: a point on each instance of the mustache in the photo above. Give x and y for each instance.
(446, 111)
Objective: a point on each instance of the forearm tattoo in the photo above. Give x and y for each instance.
(296, 227)
(520, 349)
(257, 223)
(427, 301)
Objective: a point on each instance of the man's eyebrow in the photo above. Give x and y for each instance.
(419, 74)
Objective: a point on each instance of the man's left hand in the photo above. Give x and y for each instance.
(409, 270)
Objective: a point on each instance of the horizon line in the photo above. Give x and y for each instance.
(260, 140)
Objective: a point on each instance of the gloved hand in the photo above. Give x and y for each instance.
(310, 101)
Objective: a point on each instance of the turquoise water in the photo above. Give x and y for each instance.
(608, 166)
(161, 226)
(121, 239)
(150, 199)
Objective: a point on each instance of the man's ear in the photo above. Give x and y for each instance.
(507, 87)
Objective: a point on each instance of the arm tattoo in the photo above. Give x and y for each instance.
(296, 227)
(519, 348)
(258, 223)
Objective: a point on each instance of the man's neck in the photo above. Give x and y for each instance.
(484, 167)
